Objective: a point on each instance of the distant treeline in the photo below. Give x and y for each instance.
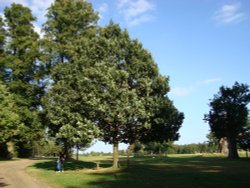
(164, 149)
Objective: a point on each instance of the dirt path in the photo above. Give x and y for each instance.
(12, 174)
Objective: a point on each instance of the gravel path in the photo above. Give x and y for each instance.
(12, 174)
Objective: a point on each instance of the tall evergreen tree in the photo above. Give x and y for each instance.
(21, 68)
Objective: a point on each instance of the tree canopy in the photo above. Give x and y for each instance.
(82, 81)
(9, 119)
(115, 86)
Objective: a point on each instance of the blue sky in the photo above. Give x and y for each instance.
(200, 44)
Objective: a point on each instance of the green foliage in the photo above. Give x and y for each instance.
(171, 148)
(20, 70)
(244, 137)
(67, 22)
(102, 83)
(112, 83)
(228, 114)
(9, 118)
(213, 142)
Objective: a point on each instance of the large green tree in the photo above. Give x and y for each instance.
(67, 118)
(68, 22)
(21, 72)
(228, 114)
(165, 122)
(116, 86)
(150, 115)
(102, 78)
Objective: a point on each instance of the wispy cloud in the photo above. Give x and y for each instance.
(229, 13)
(103, 8)
(136, 12)
(185, 91)
(208, 81)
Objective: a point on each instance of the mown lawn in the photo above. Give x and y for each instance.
(175, 171)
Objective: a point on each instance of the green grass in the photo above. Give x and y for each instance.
(175, 171)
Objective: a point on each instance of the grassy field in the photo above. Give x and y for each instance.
(174, 171)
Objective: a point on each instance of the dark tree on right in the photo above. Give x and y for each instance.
(228, 115)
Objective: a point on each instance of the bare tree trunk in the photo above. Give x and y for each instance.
(232, 147)
(77, 153)
(115, 155)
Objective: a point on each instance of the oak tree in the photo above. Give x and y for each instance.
(228, 114)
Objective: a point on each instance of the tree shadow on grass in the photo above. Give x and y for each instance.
(192, 172)
(68, 165)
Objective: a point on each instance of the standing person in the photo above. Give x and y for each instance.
(58, 165)
(61, 159)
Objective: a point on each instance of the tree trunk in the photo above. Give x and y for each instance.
(66, 151)
(232, 148)
(115, 155)
(223, 145)
(77, 153)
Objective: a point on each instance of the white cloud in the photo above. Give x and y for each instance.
(136, 11)
(140, 19)
(229, 13)
(39, 9)
(103, 8)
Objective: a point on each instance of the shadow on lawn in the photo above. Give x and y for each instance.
(68, 165)
(188, 172)
(163, 172)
